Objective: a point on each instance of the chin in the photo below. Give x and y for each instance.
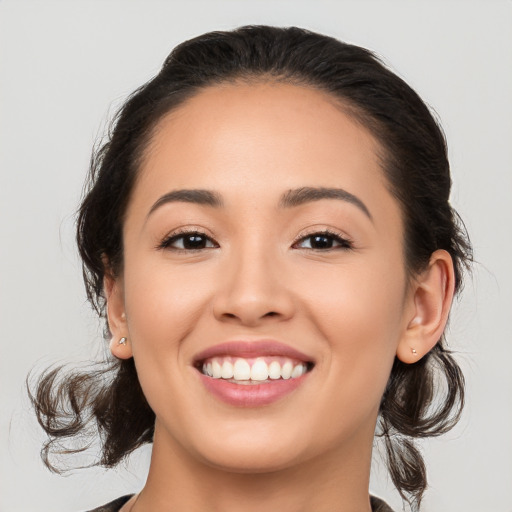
(254, 461)
(256, 449)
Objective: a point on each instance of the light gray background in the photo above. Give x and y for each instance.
(66, 64)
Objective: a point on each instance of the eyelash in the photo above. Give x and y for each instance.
(343, 241)
(167, 242)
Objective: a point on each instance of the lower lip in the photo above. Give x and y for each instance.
(251, 395)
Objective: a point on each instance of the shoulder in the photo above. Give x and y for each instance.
(113, 506)
(378, 505)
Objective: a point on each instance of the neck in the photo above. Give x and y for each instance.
(337, 481)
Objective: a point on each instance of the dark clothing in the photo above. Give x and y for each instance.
(114, 506)
(378, 505)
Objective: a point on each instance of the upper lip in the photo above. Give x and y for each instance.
(247, 349)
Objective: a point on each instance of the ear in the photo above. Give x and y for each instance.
(120, 345)
(430, 303)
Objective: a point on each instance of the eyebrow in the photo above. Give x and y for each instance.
(197, 196)
(303, 195)
(290, 199)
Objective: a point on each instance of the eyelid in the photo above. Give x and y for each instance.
(165, 242)
(345, 241)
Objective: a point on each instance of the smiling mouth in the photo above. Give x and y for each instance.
(258, 370)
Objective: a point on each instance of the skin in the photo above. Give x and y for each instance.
(351, 308)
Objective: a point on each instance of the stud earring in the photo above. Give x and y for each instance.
(413, 350)
(122, 341)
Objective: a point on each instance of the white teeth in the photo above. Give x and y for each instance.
(297, 371)
(274, 370)
(227, 370)
(259, 370)
(241, 370)
(216, 369)
(286, 370)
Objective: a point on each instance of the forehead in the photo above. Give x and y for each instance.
(256, 141)
(265, 129)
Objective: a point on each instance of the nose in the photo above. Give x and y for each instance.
(253, 290)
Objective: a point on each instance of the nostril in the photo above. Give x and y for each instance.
(266, 315)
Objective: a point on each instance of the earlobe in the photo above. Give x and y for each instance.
(120, 347)
(431, 298)
(119, 343)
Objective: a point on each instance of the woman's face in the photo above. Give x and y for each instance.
(261, 237)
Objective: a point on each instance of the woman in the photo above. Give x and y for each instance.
(268, 235)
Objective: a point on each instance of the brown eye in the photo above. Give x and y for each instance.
(323, 241)
(192, 241)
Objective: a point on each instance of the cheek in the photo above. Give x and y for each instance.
(359, 313)
(162, 301)
(357, 298)
(163, 306)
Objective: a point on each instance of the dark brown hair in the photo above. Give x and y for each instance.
(414, 160)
